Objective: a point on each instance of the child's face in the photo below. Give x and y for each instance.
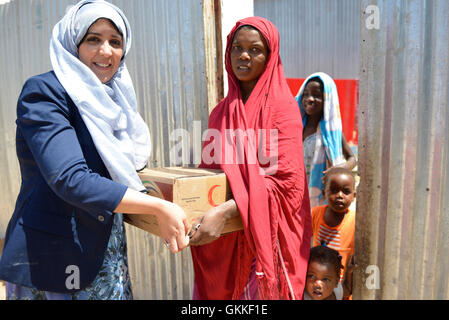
(321, 280)
(340, 192)
(312, 99)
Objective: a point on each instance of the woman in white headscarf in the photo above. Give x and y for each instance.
(80, 141)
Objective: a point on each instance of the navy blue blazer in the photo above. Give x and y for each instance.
(63, 215)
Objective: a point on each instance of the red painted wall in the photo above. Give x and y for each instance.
(348, 95)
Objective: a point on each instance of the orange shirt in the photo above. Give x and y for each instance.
(340, 238)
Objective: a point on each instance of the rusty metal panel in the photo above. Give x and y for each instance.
(402, 243)
(167, 64)
(316, 35)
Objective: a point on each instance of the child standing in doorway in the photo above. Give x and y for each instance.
(325, 145)
(334, 224)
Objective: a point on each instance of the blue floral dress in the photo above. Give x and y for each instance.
(111, 283)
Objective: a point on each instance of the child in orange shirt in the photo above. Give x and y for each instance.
(334, 224)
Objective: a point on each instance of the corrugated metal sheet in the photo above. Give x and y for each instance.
(25, 28)
(167, 65)
(316, 35)
(403, 198)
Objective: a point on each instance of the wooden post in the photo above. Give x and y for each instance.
(213, 52)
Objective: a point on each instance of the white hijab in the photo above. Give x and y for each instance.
(109, 110)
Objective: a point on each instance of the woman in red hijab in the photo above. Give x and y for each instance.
(255, 137)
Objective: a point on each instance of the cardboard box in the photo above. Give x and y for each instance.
(195, 190)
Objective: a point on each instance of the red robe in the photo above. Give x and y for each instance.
(274, 206)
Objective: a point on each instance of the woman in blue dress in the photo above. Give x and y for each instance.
(80, 141)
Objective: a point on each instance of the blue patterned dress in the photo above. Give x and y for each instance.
(111, 283)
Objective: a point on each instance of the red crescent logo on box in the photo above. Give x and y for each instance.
(209, 196)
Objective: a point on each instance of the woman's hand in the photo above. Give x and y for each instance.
(211, 224)
(173, 225)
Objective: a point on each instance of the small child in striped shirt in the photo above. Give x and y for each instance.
(334, 224)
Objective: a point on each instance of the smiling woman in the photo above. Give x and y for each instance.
(80, 141)
(102, 49)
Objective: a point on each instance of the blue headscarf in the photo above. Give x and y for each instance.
(330, 128)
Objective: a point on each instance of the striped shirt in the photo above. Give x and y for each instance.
(340, 238)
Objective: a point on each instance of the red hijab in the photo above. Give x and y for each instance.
(274, 207)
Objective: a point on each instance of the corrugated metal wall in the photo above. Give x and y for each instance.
(25, 29)
(168, 68)
(403, 198)
(402, 243)
(316, 35)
